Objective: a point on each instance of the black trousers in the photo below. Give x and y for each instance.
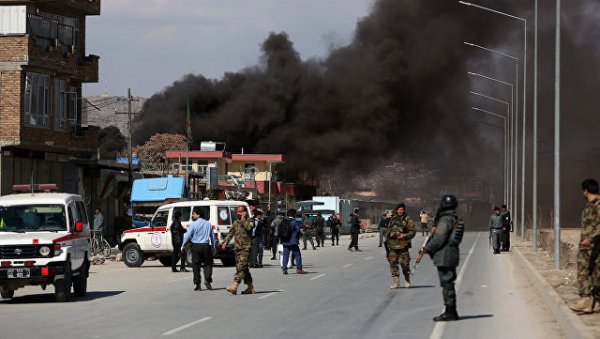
(353, 241)
(447, 277)
(335, 237)
(506, 240)
(178, 253)
(202, 258)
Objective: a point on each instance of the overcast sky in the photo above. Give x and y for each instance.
(148, 44)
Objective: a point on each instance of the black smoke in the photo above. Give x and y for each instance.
(397, 89)
(111, 143)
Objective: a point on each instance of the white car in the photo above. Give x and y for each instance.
(44, 240)
(138, 244)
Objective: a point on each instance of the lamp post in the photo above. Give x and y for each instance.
(516, 211)
(507, 114)
(524, 115)
(557, 142)
(511, 133)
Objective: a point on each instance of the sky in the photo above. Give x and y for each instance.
(146, 45)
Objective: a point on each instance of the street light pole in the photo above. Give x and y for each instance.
(511, 133)
(505, 132)
(535, 132)
(524, 110)
(517, 212)
(557, 142)
(507, 114)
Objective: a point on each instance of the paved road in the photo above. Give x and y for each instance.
(345, 295)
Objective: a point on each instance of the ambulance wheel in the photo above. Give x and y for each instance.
(132, 255)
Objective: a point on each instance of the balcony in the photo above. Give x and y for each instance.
(26, 50)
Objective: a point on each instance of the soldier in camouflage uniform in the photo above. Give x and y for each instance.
(590, 229)
(241, 230)
(401, 229)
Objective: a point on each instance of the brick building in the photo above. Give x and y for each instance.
(43, 64)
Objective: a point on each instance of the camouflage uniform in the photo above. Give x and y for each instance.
(398, 248)
(242, 232)
(590, 228)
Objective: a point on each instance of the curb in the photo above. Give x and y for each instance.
(568, 321)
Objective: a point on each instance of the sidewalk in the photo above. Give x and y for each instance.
(558, 289)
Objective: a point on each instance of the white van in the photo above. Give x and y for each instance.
(155, 240)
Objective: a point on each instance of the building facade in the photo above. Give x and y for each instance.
(43, 64)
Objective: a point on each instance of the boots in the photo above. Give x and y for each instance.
(449, 314)
(249, 290)
(208, 286)
(233, 288)
(396, 283)
(407, 282)
(584, 305)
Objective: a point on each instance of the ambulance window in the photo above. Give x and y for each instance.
(204, 212)
(160, 218)
(186, 213)
(233, 210)
(223, 216)
(81, 212)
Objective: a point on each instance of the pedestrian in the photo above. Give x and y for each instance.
(383, 227)
(98, 220)
(506, 226)
(257, 240)
(307, 231)
(177, 232)
(201, 235)
(292, 244)
(320, 230)
(241, 232)
(590, 230)
(401, 229)
(335, 230)
(443, 247)
(275, 236)
(495, 225)
(424, 219)
(267, 235)
(354, 231)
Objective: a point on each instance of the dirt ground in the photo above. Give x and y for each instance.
(563, 281)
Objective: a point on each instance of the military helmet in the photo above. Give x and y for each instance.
(448, 202)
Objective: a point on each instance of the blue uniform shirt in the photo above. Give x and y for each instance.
(199, 232)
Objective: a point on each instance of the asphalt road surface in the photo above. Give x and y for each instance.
(344, 295)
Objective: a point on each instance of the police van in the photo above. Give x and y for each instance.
(44, 240)
(139, 244)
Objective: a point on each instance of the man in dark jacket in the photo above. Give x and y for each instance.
(177, 232)
(506, 225)
(445, 255)
(354, 231)
(320, 230)
(292, 244)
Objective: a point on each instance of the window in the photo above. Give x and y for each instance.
(249, 171)
(81, 210)
(13, 19)
(204, 212)
(185, 213)
(32, 218)
(37, 99)
(60, 105)
(71, 98)
(160, 219)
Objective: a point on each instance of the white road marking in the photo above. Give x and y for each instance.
(317, 277)
(347, 266)
(367, 258)
(438, 330)
(180, 279)
(181, 328)
(270, 294)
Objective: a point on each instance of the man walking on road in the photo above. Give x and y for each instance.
(335, 230)
(275, 236)
(241, 230)
(401, 229)
(177, 232)
(354, 231)
(506, 224)
(445, 252)
(495, 225)
(307, 231)
(292, 244)
(320, 230)
(202, 237)
(424, 219)
(590, 228)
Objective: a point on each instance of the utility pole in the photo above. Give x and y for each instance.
(129, 113)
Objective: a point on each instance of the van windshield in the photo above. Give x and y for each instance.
(32, 218)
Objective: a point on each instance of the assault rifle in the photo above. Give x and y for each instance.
(421, 253)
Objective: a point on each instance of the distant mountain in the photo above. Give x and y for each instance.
(100, 111)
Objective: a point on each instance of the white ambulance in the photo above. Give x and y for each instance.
(138, 244)
(44, 240)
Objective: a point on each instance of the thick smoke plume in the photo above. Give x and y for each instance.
(398, 88)
(111, 142)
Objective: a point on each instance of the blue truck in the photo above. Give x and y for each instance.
(147, 195)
